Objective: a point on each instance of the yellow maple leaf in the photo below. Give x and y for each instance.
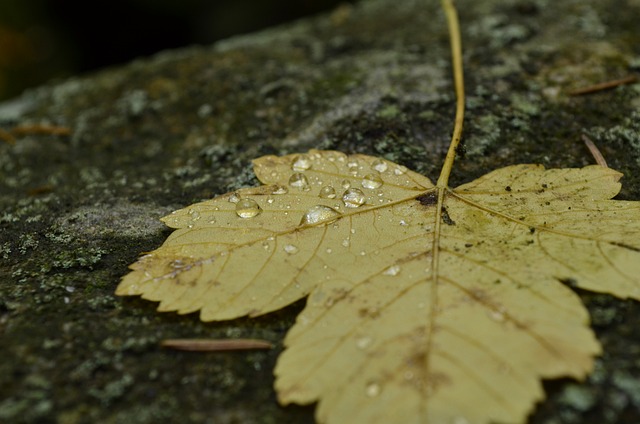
(426, 304)
(419, 310)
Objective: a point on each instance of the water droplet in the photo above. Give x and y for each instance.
(329, 250)
(301, 163)
(353, 166)
(212, 221)
(373, 389)
(266, 246)
(353, 198)
(177, 264)
(371, 181)
(379, 165)
(319, 213)
(280, 189)
(363, 342)
(345, 184)
(400, 170)
(497, 315)
(234, 197)
(194, 214)
(363, 253)
(403, 223)
(299, 180)
(392, 270)
(327, 192)
(270, 200)
(290, 249)
(247, 208)
(346, 243)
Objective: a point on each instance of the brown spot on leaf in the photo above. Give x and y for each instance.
(428, 199)
(446, 218)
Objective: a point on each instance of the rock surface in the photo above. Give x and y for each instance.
(163, 132)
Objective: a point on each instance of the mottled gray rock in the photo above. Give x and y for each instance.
(163, 132)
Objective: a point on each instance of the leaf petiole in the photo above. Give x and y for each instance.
(456, 60)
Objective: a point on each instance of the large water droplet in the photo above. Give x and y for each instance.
(299, 180)
(290, 249)
(371, 181)
(247, 208)
(392, 270)
(373, 389)
(353, 198)
(301, 163)
(327, 192)
(379, 165)
(319, 213)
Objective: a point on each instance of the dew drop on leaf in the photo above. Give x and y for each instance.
(327, 192)
(247, 208)
(400, 170)
(301, 163)
(363, 342)
(379, 165)
(290, 249)
(234, 197)
(346, 184)
(373, 389)
(371, 181)
(392, 270)
(352, 165)
(497, 315)
(280, 189)
(353, 198)
(299, 180)
(194, 214)
(319, 213)
(177, 264)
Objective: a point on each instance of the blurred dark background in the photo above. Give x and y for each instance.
(45, 39)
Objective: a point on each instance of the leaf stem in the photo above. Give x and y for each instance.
(456, 60)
